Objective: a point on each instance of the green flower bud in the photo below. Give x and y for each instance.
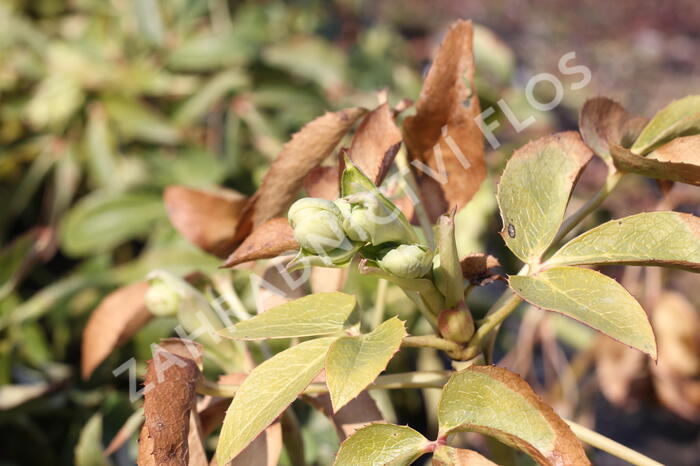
(407, 261)
(456, 325)
(317, 225)
(162, 299)
(369, 218)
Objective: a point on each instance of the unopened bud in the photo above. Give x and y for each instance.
(367, 217)
(317, 225)
(407, 261)
(162, 299)
(456, 325)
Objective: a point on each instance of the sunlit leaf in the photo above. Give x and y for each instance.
(101, 221)
(266, 392)
(592, 298)
(382, 444)
(353, 362)
(316, 314)
(680, 117)
(671, 162)
(669, 239)
(534, 191)
(496, 402)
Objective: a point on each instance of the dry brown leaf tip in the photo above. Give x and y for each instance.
(375, 143)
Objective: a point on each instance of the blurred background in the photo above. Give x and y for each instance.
(103, 103)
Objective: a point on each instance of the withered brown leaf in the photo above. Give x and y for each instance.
(207, 218)
(443, 135)
(270, 239)
(375, 143)
(120, 314)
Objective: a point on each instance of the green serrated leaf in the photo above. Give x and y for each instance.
(535, 189)
(592, 298)
(266, 392)
(354, 362)
(670, 239)
(316, 314)
(496, 402)
(680, 117)
(101, 221)
(382, 445)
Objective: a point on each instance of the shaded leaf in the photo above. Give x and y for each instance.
(18, 257)
(496, 402)
(353, 362)
(375, 143)
(307, 148)
(119, 316)
(592, 298)
(323, 182)
(382, 444)
(603, 121)
(680, 117)
(359, 412)
(270, 239)
(101, 221)
(443, 135)
(534, 191)
(315, 314)
(266, 392)
(169, 397)
(215, 89)
(88, 451)
(265, 450)
(139, 122)
(208, 218)
(670, 239)
(667, 163)
(132, 424)
(448, 456)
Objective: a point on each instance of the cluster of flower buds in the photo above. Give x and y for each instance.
(363, 221)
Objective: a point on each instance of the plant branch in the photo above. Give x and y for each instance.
(489, 323)
(421, 379)
(602, 442)
(430, 341)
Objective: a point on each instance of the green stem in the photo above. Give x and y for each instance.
(577, 217)
(601, 442)
(430, 341)
(489, 323)
(422, 379)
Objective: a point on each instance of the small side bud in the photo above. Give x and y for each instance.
(456, 325)
(162, 299)
(407, 261)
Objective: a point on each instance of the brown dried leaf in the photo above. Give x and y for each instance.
(307, 148)
(477, 267)
(359, 412)
(685, 149)
(207, 218)
(622, 373)
(669, 164)
(603, 121)
(449, 456)
(265, 450)
(323, 183)
(375, 143)
(444, 125)
(120, 314)
(270, 239)
(168, 401)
